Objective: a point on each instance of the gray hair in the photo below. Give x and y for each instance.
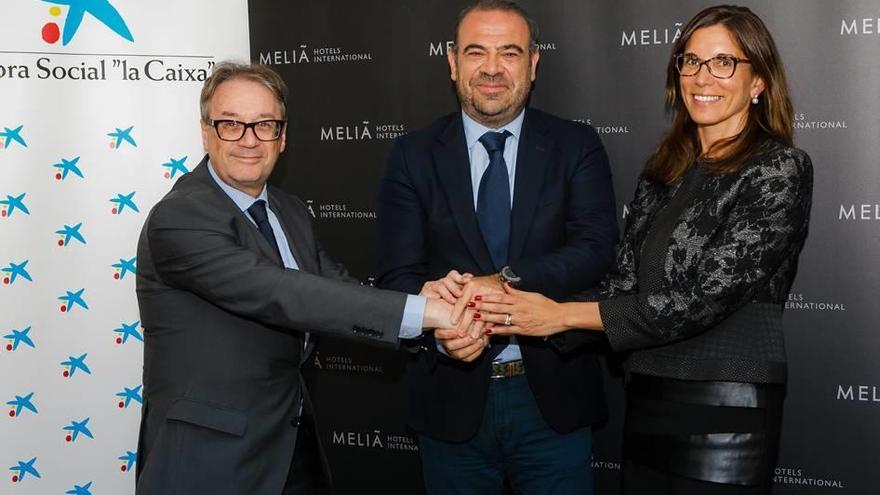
(225, 71)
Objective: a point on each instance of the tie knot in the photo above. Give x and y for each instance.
(258, 211)
(494, 141)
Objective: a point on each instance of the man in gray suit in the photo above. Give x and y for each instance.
(233, 288)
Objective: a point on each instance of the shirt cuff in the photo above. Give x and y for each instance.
(413, 316)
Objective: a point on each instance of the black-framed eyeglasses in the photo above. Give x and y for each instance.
(233, 130)
(720, 66)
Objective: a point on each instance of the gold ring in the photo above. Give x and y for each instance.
(508, 319)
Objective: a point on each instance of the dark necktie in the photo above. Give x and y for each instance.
(493, 199)
(493, 211)
(258, 213)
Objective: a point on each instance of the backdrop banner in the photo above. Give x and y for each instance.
(363, 73)
(99, 117)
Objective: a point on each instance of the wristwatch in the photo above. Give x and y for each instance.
(506, 275)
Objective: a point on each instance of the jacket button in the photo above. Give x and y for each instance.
(295, 422)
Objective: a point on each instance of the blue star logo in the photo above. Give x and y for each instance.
(130, 394)
(66, 167)
(125, 266)
(71, 232)
(12, 203)
(175, 166)
(99, 9)
(15, 270)
(73, 299)
(128, 330)
(23, 469)
(76, 363)
(12, 136)
(22, 402)
(130, 458)
(19, 337)
(77, 427)
(122, 135)
(80, 490)
(124, 201)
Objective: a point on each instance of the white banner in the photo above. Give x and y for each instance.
(98, 118)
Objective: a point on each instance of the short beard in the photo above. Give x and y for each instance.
(497, 118)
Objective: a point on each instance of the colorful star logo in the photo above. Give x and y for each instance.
(124, 267)
(73, 299)
(123, 201)
(77, 9)
(175, 166)
(75, 363)
(66, 167)
(121, 136)
(9, 205)
(128, 461)
(127, 330)
(129, 394)
(15, 271)
(76, 428)
(69, 232)
(19, 337)
(80, 490)
(23, 469)
(12, 136)
(21, 403)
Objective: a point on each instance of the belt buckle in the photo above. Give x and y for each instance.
(508, 369)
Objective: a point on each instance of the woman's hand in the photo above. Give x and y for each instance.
(519, 313)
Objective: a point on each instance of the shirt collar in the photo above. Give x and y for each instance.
(241, 199)
(473, 129)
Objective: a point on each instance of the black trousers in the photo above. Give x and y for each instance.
(306, 475)
(700, 437)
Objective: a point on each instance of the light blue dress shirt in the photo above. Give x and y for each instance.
(479, 159)
(413, 311)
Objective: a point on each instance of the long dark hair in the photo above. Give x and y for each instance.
(772, 118)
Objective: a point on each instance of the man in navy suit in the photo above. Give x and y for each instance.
(505, 193)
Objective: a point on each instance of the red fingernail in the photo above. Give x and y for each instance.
(471, 304)
(478, 298)
(488, 331)
(476, 316)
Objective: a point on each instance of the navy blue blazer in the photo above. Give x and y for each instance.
(563, 232)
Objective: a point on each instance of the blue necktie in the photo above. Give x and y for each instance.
(493, 199)
(258, 213)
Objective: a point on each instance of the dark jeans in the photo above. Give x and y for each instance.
(513, 442)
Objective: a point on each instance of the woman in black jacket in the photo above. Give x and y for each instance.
(708, 256)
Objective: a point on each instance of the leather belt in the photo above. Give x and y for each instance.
(508, 369)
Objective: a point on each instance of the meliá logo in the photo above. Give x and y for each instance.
(859, 212)
(440, 48)
(651, 36)
(374, 440)
(100, 10)
(855, 27)
(321, 55)
(858, 393)
(363, 131)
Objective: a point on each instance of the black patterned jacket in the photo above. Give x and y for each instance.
(704, 269)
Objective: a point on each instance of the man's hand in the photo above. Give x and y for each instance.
(465, 348)
(448, 288)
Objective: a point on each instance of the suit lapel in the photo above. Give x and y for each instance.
(535, 149)
(453, 169)
(297, 233)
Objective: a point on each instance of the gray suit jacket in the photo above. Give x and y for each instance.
(224, 328)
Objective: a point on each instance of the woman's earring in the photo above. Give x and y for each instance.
(755, 100)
